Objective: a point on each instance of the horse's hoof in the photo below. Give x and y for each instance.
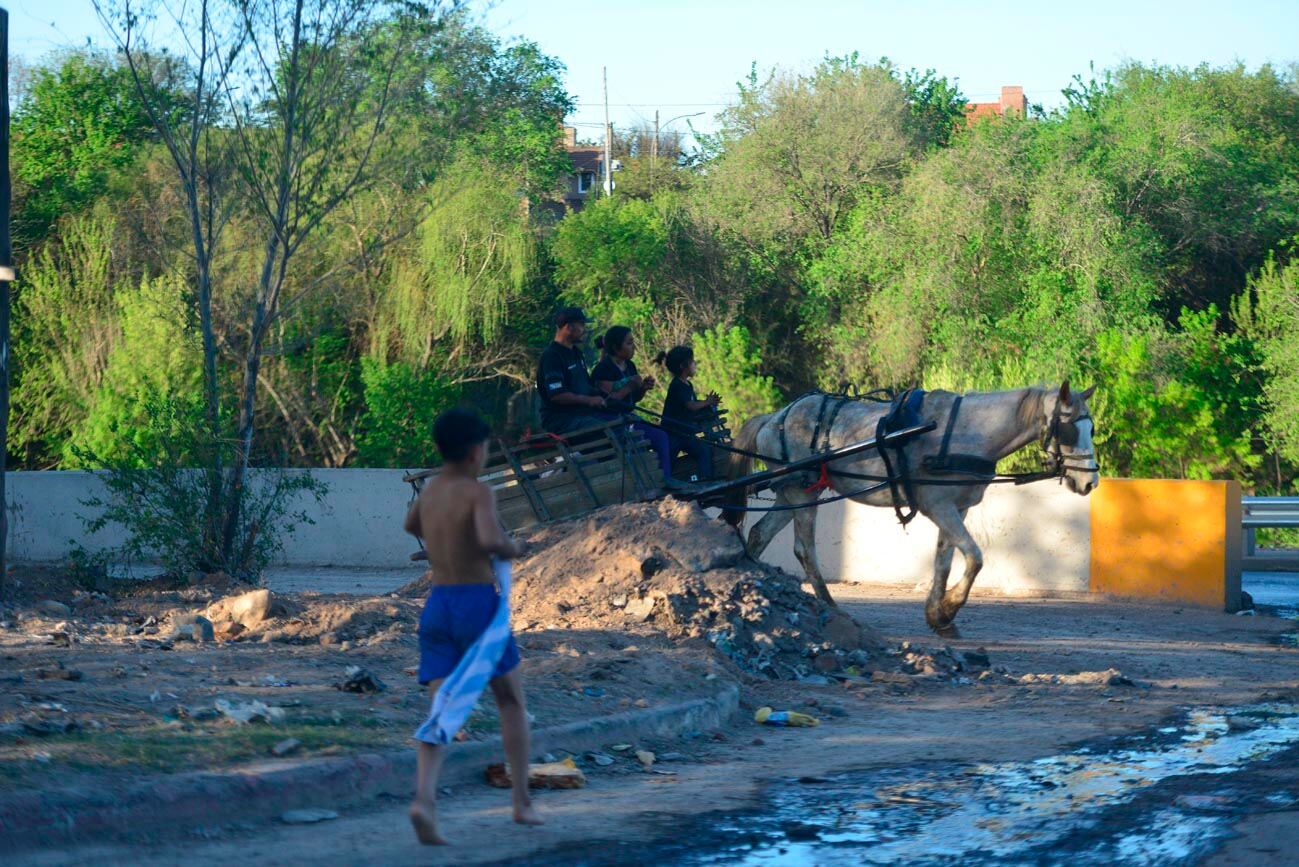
(947, 630)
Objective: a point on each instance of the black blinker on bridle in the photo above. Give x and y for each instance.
(1060, 433)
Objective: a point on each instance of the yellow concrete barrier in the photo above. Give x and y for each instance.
(1168, 540)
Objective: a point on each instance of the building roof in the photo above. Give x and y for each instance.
(586, 159)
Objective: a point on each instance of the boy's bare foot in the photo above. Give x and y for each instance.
(528, 815)
(423, 818)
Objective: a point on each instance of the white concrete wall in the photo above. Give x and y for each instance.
(358, 526)
(1035, 539)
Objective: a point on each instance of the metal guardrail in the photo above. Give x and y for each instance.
(1266, 512)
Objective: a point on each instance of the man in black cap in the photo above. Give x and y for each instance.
(569, 400)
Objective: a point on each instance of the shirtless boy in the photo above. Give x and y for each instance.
(455, 516)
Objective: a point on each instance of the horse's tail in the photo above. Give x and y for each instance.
(739, 465)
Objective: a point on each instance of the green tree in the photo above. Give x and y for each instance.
(78, 126)
(1268, 312)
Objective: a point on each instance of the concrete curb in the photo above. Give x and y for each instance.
(182, 802)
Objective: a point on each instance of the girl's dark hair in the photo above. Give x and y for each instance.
(675, 359)
(613, 339)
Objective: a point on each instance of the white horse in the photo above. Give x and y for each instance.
(959, 454)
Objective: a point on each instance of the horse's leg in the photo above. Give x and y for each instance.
(767, 528)
(805, 551)
(938, 586)
(951, 522)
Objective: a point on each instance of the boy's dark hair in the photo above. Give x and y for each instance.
(612, 340)
(676, 359)
(456, 431)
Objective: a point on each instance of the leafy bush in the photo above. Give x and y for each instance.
(172, 512)
(401, 402)
(729, 365)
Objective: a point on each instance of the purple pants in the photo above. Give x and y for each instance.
(657, 437)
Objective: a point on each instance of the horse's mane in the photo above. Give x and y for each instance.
(1029, 412)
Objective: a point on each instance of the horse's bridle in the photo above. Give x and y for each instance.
(1060, 433)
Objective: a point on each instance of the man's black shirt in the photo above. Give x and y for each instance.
(562, 371)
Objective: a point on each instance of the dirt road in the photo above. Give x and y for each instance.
(1180, 658)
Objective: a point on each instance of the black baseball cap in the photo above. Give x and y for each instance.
(569, 314)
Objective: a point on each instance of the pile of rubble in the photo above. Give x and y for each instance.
(666, 567)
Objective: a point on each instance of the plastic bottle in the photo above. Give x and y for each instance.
(792, 718)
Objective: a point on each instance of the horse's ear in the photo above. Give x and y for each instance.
(1064, 392)
(1086, 394)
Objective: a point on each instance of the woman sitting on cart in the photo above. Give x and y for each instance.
(684, 414)
(616, 376)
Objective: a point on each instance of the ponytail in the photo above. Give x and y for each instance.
(661, 358)
(612, 340)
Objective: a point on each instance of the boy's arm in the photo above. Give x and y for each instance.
(492, 537)
(412, 524)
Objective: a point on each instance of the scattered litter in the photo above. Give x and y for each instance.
(59, 673)
(646, 758)
(792, 718)
(286, 746)
(360, 680)
(551, 775)
(249, 712)
(600, 759)
(308, 816)
(593, 691)
(620, 748)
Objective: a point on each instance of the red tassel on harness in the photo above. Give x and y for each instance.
(821, 484)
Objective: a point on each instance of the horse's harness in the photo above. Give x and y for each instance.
(1057, 435)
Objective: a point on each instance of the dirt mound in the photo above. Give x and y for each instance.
(666, 567)
(333, 620)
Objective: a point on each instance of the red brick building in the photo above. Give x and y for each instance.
(588, 168)
(1012, 101)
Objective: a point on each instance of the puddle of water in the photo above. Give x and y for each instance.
(1056, 810)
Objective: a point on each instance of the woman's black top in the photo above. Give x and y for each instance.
(607, 371)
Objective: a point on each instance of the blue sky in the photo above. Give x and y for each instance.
(684, 56)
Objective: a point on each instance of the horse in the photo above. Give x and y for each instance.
(956, 462)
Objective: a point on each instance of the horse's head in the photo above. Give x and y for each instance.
(1068, 438)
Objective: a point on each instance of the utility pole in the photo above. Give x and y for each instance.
(608, 137)
(654, 153)
(6, 277)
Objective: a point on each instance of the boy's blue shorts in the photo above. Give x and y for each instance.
(454, 616)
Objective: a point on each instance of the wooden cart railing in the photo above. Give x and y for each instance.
(547, 478)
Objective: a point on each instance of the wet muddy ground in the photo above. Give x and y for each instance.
(1168, 796)
(1191, 762)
